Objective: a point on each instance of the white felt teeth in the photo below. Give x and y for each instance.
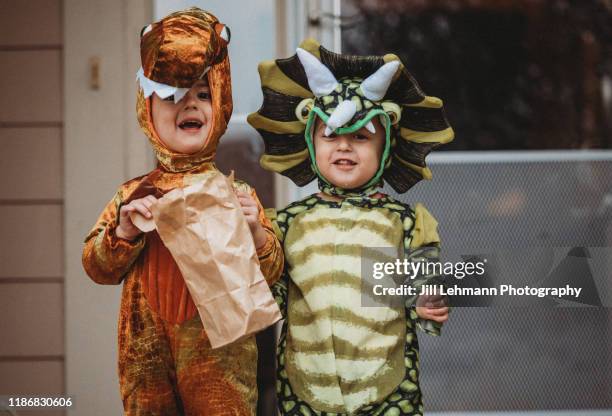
(320, 79)
(370, 127)
(147, 30)
(179, 94)
(225, 34)
(162, 90)
(205, 72)
(341, 115)
(375, 86)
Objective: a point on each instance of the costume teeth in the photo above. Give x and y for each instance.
(225, 34)
(179, 94)
(320, 79)
(375, 86)
(370, 127)
(162, 90)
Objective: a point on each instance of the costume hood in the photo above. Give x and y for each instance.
(346, 92)
(176, 52)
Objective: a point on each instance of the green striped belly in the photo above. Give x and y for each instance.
(340, 355)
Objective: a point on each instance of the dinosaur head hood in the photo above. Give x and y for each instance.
(346, 92)
(176, 52)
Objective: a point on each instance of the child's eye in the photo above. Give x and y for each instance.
(169, 98)
(360, 137)
(204, 95)
(331, 136)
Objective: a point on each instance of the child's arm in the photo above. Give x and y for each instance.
(280, 288)
(107, 257)
(269, 250)
(428, 312)
(280, 293)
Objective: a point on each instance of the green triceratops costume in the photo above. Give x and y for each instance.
(336, 356)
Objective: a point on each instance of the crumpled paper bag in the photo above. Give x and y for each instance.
(207, 234)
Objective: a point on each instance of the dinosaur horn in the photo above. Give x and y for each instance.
(375, 86)
(320, 79)
(341, 115)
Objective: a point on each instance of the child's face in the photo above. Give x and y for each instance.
(184, 126)
(349, 160)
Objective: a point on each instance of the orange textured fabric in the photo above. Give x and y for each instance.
(163, 285)
(170, 369)
(108, 259)
(177, 51)
(166, 365)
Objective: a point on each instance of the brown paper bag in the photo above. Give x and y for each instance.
(205, 230)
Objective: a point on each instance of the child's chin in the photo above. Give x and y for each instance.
(191, 148)
(191, 145)
(345, 183)
(354, 183)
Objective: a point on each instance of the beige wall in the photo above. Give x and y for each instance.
(103, 148)
(32, 349)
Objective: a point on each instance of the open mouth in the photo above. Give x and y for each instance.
(344, 162)
(190, 124)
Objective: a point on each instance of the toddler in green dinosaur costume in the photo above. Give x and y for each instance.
(351, 122)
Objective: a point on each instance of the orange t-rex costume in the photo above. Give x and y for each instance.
(166, 365)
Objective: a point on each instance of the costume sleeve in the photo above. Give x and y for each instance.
(280, 288)
(424, 247)
(270, 255)
(106, 257)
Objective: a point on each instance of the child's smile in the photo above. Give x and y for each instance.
(344, 163)
(184, 126)
(191, 125)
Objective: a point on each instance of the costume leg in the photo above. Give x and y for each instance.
(146, 370)
(214, 382)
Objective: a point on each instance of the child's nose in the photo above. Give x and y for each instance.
(190, 100)
(344, 142)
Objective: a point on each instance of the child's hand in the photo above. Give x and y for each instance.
(251, 212)
(126, 228)
(432, 308)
